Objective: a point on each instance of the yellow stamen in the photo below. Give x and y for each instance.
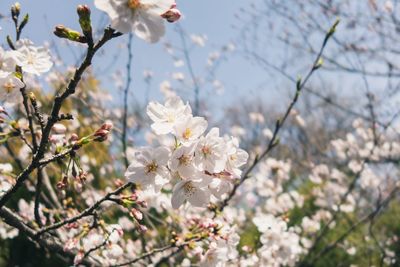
(152, 167)
(134, 4)
(184, 160)
(8, 87)
(206, 150)
(189, 189)
(187, 133)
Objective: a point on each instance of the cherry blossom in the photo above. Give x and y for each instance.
(166, 116)
(195, 192)
(32, 59)
(149, 167)
(143, 17)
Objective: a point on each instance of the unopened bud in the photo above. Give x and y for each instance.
(59, 128)
(142, 228)
(15, 10)
(101, 135)
(172, 15)
(74, 137)
(107, 126)
(137, 214)
(64, 32)
(84, 18)
(24, 22)
(10, 42)
(32, 96)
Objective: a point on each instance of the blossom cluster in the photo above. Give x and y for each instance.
(197, 165)
(143, 17)
(280, 245)
(26, 58)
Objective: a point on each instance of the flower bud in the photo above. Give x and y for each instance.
(136, 214)
(107, 126)
(101, 135)
(83, 11)
(59, 128)
(64, 32)
(142, 228)
(15, 10)
(74, 137)
(24, 22)
(10, 42)
(32, 97)
(84, 19)
(172, 15)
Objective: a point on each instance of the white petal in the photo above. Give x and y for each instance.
(200, 198)
(149, 27)
(178, 195)
(158, 7)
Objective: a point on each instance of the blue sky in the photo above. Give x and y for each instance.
(209, 17)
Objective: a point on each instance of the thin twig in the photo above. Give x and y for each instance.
(279, 123)
(126, 94)
(87, 212)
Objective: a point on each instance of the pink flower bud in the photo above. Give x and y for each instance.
(137, 214)
(101, 135)
(74, 137)
(142, 228)
(107, 126)
(83, 10)
(59, 128)
(172, 15)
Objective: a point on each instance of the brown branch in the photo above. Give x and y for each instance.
(157, 250)
(109, 33)
(49, 242)
(87, 212)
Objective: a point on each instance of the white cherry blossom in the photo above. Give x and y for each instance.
(143, 17)
(236, 157)
(9, 87)
(211, 152)
(195, 192)
(32, 59)
(166, 116)
(149, 167)
(190, 129)
(182, 160)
